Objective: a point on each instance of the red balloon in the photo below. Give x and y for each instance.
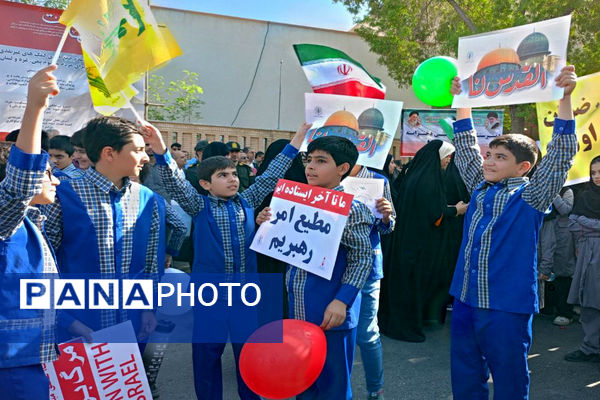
(282, 370)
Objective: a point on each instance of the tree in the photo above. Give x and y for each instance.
(406, 32)
(177, 101)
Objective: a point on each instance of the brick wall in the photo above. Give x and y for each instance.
(256, 139)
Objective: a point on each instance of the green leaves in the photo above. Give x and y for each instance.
(176, 101)
(405, 33)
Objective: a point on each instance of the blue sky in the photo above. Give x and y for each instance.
(316, 13)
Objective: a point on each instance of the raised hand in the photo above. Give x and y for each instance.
(300, 135)
(41, 86)
(153, 137)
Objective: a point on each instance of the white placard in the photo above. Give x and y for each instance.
(365, 190)
(370, 124)
(513, 66)
(306, 226)
(109, 368)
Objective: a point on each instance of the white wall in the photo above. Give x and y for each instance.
(225, 52)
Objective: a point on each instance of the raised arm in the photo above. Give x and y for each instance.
(26, 163)
(172, 177)
(468, 157)
(552, 172)
(265, 183)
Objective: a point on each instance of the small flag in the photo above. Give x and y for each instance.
(122, 38)
(332, 71)
(104, 102)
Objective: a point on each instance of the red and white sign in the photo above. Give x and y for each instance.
(110, 368)
(306, 226)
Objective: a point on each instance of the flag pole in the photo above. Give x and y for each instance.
(132, 108)
(63, 39)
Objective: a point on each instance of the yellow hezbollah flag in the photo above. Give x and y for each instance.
(586, 107)
(121, 37)
(104, 102)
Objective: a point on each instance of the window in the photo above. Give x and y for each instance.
(174, 137)
(265, 143)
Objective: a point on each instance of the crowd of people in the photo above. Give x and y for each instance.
(456, 231)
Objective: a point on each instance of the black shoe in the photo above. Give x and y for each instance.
(580, 356)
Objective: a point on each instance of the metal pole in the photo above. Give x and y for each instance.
(279, 105)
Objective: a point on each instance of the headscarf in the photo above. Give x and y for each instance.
(386, 168)
(294, 173)
(587, 202)
(446, 149)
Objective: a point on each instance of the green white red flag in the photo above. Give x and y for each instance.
(332, 71)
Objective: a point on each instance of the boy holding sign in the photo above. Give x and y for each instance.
(495, 282)
(334, 304)
(223, 231)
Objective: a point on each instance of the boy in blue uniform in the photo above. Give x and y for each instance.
(367, 336)
(223, 232)
(25, 250)
(107, 225)
(495, 282)
(334, 304)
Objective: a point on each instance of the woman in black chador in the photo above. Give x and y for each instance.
(295, 173)
(418, 253)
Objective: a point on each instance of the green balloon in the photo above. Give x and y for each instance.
(432, 81)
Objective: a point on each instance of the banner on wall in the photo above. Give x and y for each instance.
(420, 126)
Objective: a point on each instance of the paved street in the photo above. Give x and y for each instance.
(422, 371)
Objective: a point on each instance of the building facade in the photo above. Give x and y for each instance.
(253, 83)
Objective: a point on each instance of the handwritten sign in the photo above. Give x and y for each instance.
(29, 36)
(512, 66)
(365, 190)
(586, 109)
(306, 226)
(370, 124)
(420, 126)
(109, 368)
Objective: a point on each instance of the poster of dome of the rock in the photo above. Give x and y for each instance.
(513, 66)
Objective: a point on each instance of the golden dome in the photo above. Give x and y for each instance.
(498, 56)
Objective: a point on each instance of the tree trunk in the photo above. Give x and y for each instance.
(517, 123)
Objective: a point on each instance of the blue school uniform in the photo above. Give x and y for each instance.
(109, 232)
(309, 295)
(26, 336)
(367, 335)
(495, 281)
(223, 231)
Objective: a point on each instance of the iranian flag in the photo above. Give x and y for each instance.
(334, 72)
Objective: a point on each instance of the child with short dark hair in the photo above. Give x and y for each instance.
(80, 158)
(24, 250)
(61, 155)
(103, 223)
(223, 231)
(495, 282)
(334, 304)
